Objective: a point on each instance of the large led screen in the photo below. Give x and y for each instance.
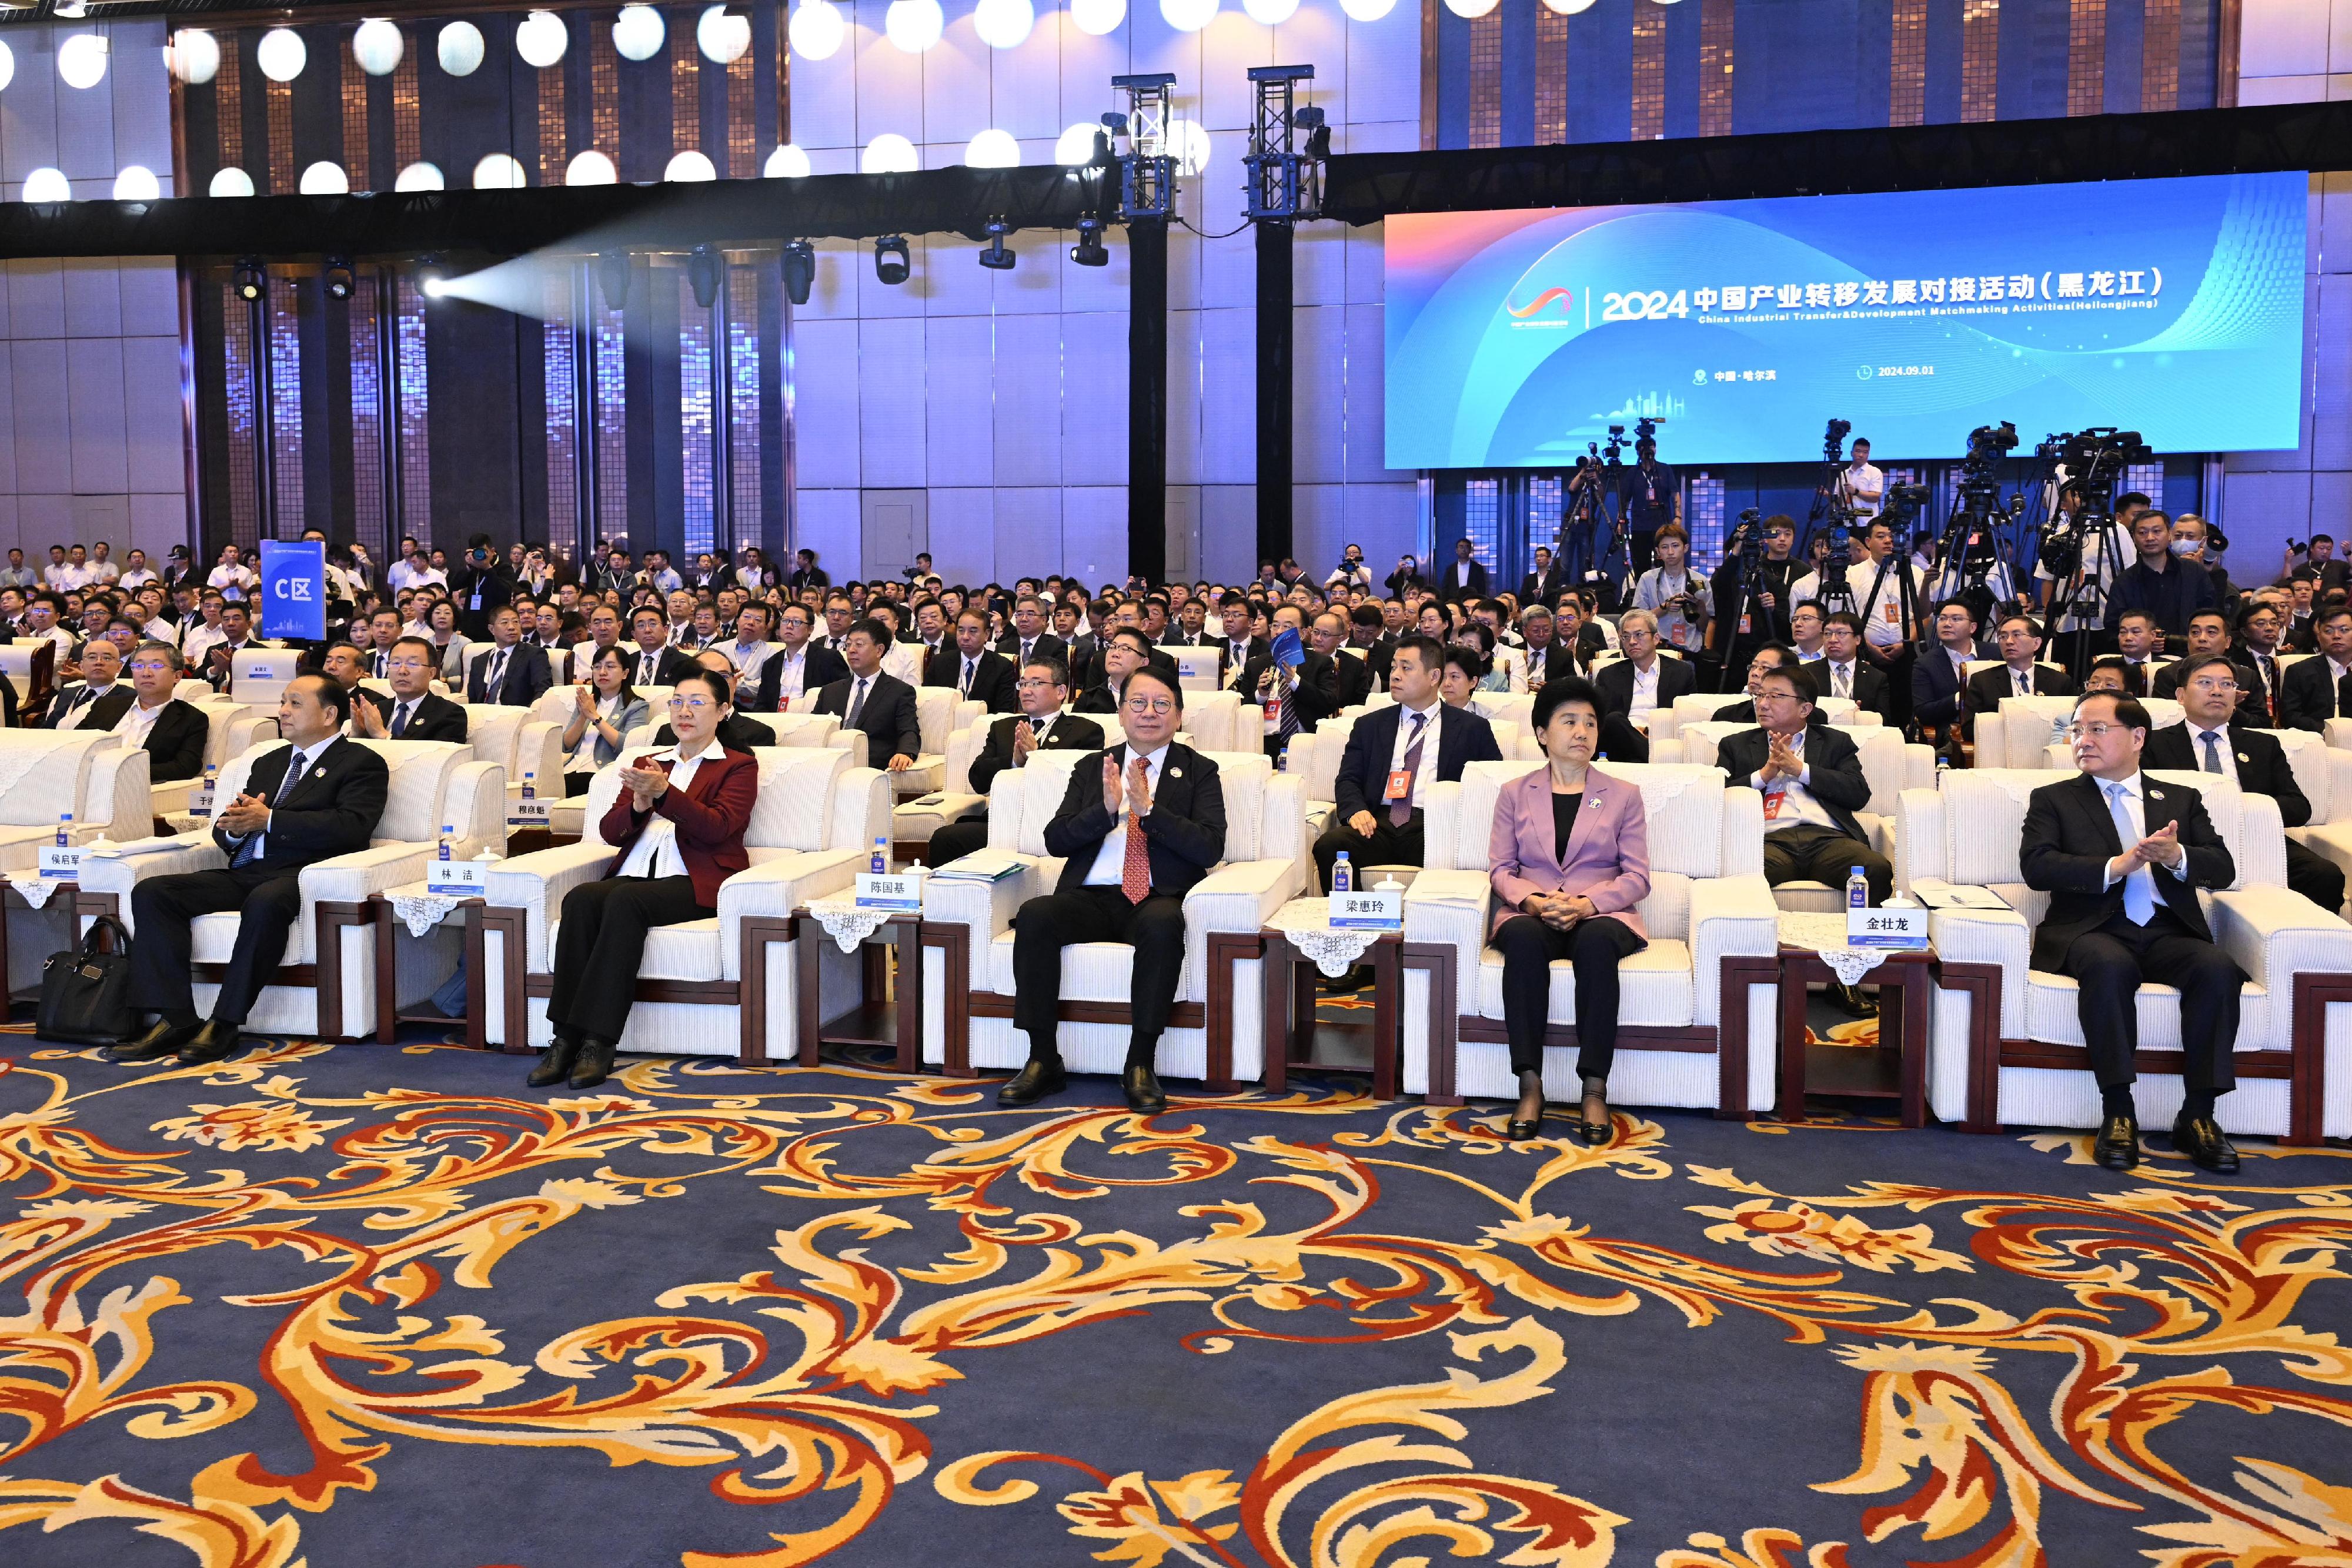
(2170, 306)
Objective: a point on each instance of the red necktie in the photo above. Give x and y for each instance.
(1135, 868)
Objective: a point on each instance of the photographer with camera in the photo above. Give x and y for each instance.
(1863, 486)
(1672, 593)
(1751, 591)
(479, 585)
(1886, 593)
(1649, 495)
(2314, 559)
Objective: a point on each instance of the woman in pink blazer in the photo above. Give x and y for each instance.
(1571, 858)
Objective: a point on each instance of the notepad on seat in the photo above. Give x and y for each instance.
(981, 866)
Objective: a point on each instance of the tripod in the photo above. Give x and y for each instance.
(1584, 514)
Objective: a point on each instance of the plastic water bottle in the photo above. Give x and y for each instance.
(530, 785)
(64, 828)
(212, 777)
(448, 835)
(881, 862)
(1343, 875)
(1857, 889)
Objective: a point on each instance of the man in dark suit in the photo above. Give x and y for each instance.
(1812, 780)
(1547, 657)
(318, 797)
(411, 712)
(1939, 676)
(1643, 673)
(735, 732)
(1124, 652)
(1387, 765)
(2316, 689)
(1463, 578)
(2020, 641)
(2217, 736)
(1543, 585)
(881, 705)
(1287, 699)
(2121, 858)
(1141, 823)
(975, 670)
(1029, 639)
(2259, 627)
(508, 674)
(173, 733)
(2209, 634)
(96, 701)
(651, 661)
(1842, 672)
(1238, 645)
(2139, 641)
(1041, 725)
(1772, 656)
(800, 663)
(1351, 677)
(808, 574)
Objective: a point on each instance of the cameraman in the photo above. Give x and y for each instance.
(1863, 484)
(1889, 595)
(2318, 562)
(1649, 498)
(479, 585)
(2106, 551)
(1732, 635)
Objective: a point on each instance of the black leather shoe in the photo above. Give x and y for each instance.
(1354, 980)
(2117, 1144)
(1144, 1094)
(1595, 1133)
(214, 1041)
(554, 1064)
(2207, 1146)
(1849, 1001)
(1520, 1131)
(594, 1062)
(165, 1040)
(1034, 1080)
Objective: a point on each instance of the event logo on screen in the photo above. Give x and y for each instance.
(2174, 306)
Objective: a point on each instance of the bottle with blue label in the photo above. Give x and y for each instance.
(1343, 875)
(530, 785)
(881, 862)
(1857, 889)
(202, 806)
(64, 828)
(448, 834)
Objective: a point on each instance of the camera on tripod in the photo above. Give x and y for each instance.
(1748, 542)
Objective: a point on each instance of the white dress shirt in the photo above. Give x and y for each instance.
(89, 699)
(1428, 773)
(296, 765)
(138, 721)
(1110, 861)
(2022, 682)
(2220, 734)
(1791, 801)
(655, 852)
(1645, 687)
(1841, 679)
(2134, 804)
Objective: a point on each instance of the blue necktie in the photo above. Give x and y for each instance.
(2139, 890)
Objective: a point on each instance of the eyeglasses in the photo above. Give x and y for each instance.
(1033, 683)
(1159, 705)
(2215, 686)
(2096, 731)
(691, 705)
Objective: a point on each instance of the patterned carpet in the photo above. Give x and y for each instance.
(374, 1305)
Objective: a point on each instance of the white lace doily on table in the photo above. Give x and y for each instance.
(1826, 935)
(846, 922)
(1305, 923)
(33, 888)
(421, 912)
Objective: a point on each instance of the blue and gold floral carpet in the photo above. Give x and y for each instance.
(386, 1306)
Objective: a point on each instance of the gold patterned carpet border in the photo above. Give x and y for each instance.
(365, 1305)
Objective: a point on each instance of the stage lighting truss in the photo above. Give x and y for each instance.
(996, 257)
(1089, 251)
(1147, 171)
(341, 281)
(252, 281)
(891, 263)
(1284, 184)
(800, 270)
(704, 267)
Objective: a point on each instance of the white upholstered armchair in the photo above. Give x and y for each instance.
(1693, 1029)
(2005, 1041)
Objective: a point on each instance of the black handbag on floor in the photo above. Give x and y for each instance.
(86, 993)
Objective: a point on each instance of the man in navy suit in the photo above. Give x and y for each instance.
(1463, 578)
(508, 674)
(1940, 681)
(1389, 765)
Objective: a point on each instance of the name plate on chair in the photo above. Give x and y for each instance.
(1887, 928)
(200, 801)
(60, 864)
(522, 813)
(457, 879)
(1373, 909)
(268, 673)
(900, 892)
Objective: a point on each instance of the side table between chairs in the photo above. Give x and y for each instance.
(1814, 948)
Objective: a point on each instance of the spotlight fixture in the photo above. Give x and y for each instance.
(800, 270)
(612, 269)
(996, 259)
(252, 283)
(1318, 131)
(1089, 251)
(340, 283)
(432, 277)
(702, 269)
(890, 263)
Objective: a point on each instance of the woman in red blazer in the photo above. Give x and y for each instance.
(678, 831)
(1571, 851)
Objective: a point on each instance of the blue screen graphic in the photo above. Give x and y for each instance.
(2171, 306)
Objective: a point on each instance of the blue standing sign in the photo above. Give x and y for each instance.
(293, 590)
